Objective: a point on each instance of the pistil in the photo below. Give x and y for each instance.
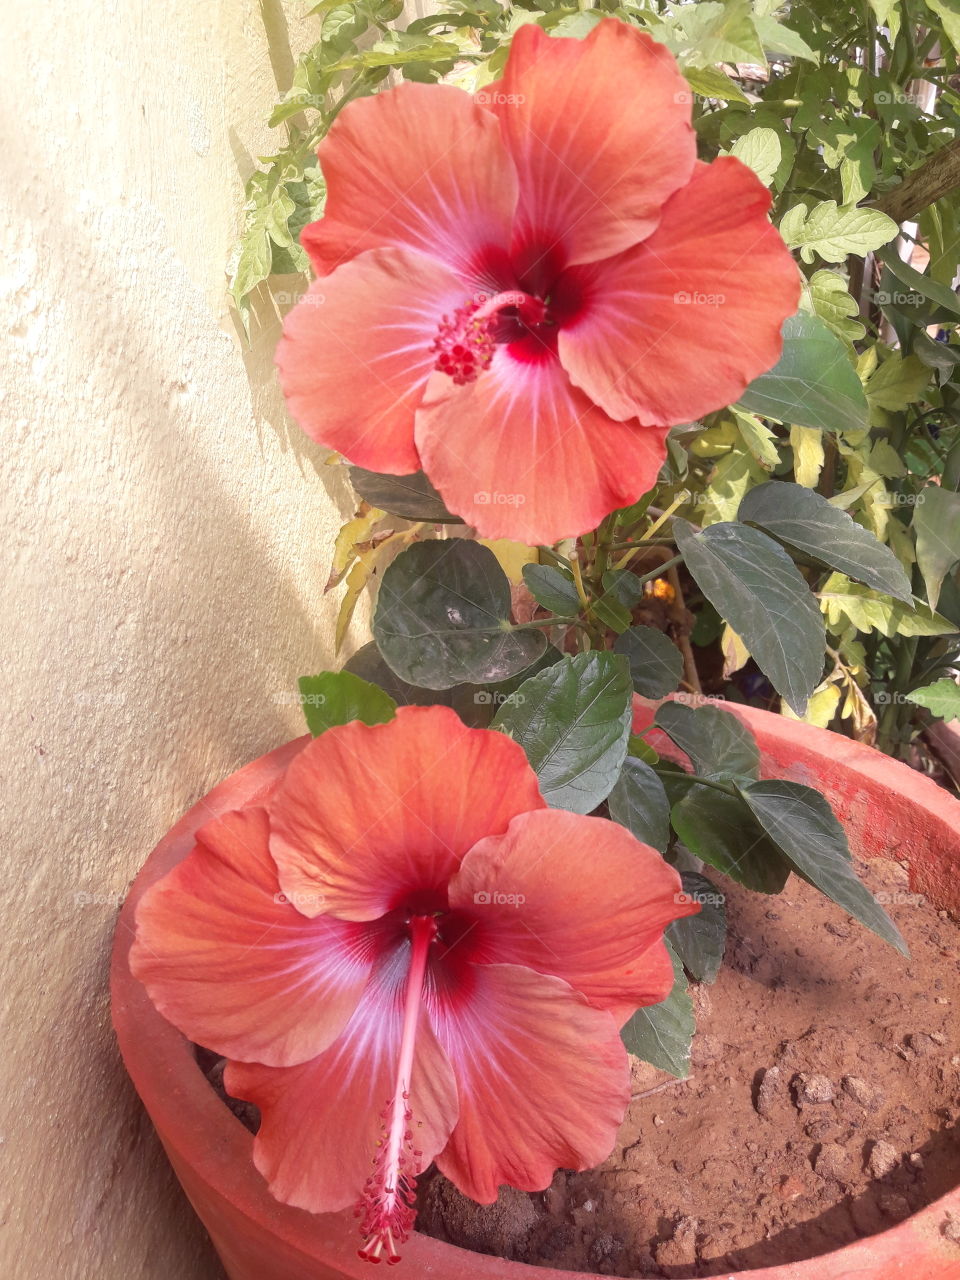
(386, 1209)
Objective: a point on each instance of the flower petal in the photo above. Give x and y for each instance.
(228, 960)
(419, 166)
(599, 130)
(597, 922)
(542, 1076)
(355, 355)
(322, 1120)
(523, 454)
(678, 326)
(367, 816)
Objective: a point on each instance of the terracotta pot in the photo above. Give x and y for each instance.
(887, 809)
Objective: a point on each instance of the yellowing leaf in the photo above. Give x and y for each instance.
(897, 383)
(354, 531)
(759, 439)
(834, 305)
(512, 556)
(845, 602)
(735, 652)
(832, 233)
(808, 457)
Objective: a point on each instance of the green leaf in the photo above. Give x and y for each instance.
(936, 524)
(442, 617)
(656, 663)
(777, 38)
(835, 305)
(755, 587)
(573, 722)
(721, 830)
(716, 742)
(759, 439)
(718, 32)
(917, 281)
(847, 604)
(941, 699)
(897, 383)
(639, 803)
(700, 940)
(948, 11)
(802, 824)
(760, 151)
(807, 521)
(337, 697)
(411, 497)
(552, 588)
(711, 82)
(813, 384)
(661, 1034)
(833, 233)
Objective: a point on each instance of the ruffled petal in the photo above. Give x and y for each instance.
(369, 816)
(678, 326)
(421, 167)
(322, 1120)
(599, 130)
(596, 922)
(521, 453)
(542, 1076)
(232, 963)
(356, 354)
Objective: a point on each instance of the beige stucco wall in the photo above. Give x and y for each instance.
(166, 539)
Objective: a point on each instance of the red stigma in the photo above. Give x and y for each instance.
(464, 344)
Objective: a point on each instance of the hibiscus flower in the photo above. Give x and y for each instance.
(406, 956)
(520, 292)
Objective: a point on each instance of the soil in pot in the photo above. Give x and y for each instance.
(823, 1105)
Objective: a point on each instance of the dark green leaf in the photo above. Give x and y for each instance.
(757, 588)
(917, 282)
(639, 803)
(442, 617)
(721, 830)
(699, 940)
(337, 697)
(801, 823)
(807, 521)
(715, 740)
(411, 497)
(552, 588)
(813, 384)
(573, 721)
(656, 663)
(661, 1034)
(936, 523)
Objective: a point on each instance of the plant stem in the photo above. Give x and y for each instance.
(694, 780)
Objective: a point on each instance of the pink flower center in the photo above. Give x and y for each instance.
(386, 1209)
(466, 340)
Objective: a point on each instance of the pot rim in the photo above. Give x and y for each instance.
(198, 1130)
